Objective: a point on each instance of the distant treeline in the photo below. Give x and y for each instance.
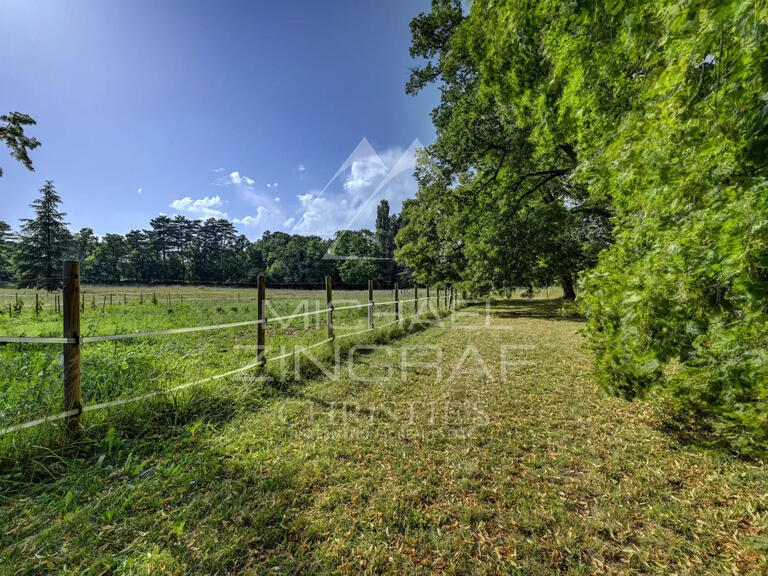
(181, 250)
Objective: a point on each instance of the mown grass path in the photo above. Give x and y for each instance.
(469, 473)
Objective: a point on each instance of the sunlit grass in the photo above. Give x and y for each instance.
(539, 474)
(31, 378)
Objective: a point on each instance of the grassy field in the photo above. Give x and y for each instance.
(507, 461)
(31, 375)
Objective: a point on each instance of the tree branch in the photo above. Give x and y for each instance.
(550, 175)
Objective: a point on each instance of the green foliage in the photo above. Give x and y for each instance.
(12, 134)
(180, 250)
(84, 243)
(660, 108)
(652, 114)
(294, 259)
(44, 242)
(387, 227)
(7, 250)
(493, 209)
(358, 251)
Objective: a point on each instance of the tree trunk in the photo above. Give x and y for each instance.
(569, 292)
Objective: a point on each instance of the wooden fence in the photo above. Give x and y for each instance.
(72, 304)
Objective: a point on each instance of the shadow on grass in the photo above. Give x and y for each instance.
(163, 424)
(699, 430)
(551, 309)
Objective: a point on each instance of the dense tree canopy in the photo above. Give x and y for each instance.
(493, 210)
(625, 139)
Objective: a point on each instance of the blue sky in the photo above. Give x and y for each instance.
(243, 109)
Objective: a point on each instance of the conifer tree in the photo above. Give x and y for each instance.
(44, 240)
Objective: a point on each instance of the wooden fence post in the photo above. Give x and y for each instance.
(261, 355)
(416, 299)
(450, 299)
(37, 305)
(82, 304)
(438, 297)
(71, 315)
(397, 303)
(370, 304)
(329, 305)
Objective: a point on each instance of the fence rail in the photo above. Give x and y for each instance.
(71, 305)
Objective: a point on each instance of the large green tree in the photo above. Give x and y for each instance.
(486, 191)
(555, 116)
(44, 241)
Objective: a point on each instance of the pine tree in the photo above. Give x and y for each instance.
(44, 240)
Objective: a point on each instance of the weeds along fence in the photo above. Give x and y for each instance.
(275, 327)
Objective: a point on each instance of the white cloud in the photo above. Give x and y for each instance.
(318, 215)
(268, 216)
(365, 172)
(301, 168)
(139, 191)
(247, 221)
(288, 223)
(264, 216)
(205, 207)
(237, 178)
(276, 198)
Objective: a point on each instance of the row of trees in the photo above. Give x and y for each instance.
(180, 250)
(619, 146)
